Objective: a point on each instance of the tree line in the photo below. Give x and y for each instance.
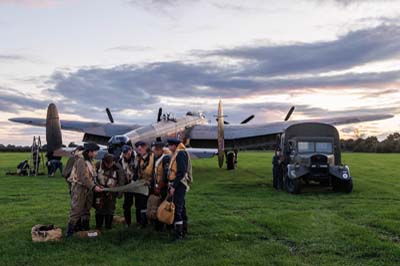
(371, 144)
(390, 144)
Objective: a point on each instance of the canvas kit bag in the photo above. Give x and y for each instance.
(44, 233)
(153, 203)
(166, 211)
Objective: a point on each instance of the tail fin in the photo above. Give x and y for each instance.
(53, 129)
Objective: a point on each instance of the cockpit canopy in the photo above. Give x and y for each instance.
(194, 113)
(118, 140)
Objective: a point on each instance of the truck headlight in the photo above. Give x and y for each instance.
(345, 175)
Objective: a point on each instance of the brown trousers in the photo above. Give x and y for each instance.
(81, 202)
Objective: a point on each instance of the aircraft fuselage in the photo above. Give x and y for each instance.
(166, 129)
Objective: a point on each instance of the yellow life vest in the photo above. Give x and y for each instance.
(146, 167)
(173, 167)
(159, 167)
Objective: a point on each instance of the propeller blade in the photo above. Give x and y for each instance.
(247, 119)
(225, 122)
(110, 117)
(289, 114)
(159, 114)
(221, 141)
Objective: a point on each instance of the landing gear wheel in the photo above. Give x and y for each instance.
(293, 186)
(230, 161)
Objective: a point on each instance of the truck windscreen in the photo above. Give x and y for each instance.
(311, 147)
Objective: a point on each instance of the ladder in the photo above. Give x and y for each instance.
(36, 156)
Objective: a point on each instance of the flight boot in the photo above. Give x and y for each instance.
(70, 230)
(99, 221)
(128, 217)
(109, 220)
(178, 232)
(85, 225)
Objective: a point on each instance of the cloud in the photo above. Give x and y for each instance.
(134, 92)
(129, 48)
(13, 57)
(31, 3)
(7, 58)
(12, 101)
(350, 50)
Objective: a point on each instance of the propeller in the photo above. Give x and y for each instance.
(247, 119)
(220, 139)
(110, 117)
(159, 114)
(243, 122)
(225, 122)
(289, 114)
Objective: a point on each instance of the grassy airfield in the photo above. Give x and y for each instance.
(236, 219)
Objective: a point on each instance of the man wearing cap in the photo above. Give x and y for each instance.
(83, 183)
(179, 177)
(145, 171)
(77, 153)
(109, 174)
(159, 184)
(128, 164)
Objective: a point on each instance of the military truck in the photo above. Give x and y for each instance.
(311, 154)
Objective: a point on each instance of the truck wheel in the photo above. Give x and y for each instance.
(342, 186)
(347, 186)
(293, 186)
(336, 185)
(230, 161)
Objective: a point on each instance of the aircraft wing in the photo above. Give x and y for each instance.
(92, 128)
(197, 153)
(253, 135)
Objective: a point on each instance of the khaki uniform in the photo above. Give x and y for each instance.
(160, 182)
(69, 166)
(129, 169)
(82, 184)
(107, 178)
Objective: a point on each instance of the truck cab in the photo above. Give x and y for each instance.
(311, 153)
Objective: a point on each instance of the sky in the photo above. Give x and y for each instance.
(327, 58)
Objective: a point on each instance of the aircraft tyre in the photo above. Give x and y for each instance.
(230, 161)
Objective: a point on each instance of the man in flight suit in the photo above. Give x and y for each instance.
(128, 164)
(179, 176)
(83, 183)
(109, 174)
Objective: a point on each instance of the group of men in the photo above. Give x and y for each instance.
(160, 171)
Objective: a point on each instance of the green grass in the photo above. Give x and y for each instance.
(236, 218)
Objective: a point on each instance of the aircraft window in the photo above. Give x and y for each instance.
(324, 147)
(305, 146)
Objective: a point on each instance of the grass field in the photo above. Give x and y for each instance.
(236, 218)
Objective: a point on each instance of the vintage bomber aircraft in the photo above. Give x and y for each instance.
(202, 138)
